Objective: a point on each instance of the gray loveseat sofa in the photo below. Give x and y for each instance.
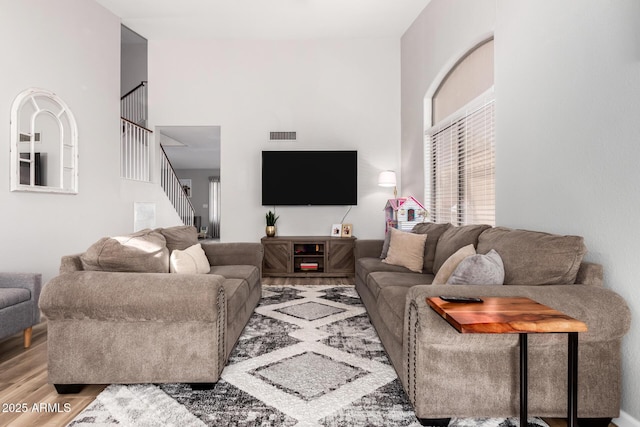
(446, 374)
(148, 327)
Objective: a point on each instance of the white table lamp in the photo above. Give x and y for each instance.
(388, 179)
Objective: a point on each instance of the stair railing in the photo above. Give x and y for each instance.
(174, 190)
(135, 151)
(133, 105)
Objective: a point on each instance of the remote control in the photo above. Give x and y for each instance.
(460, 299)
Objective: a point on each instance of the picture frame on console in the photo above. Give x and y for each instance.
(347, 230)
(336, 230)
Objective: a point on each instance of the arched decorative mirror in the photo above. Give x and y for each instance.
(44, 144)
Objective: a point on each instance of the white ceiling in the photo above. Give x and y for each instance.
(252, 19)
(266, 19)
(191, 147)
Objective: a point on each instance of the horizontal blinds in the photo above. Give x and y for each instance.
(460, 153)
(445, 158)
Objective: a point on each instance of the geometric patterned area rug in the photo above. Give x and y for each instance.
(308, 357)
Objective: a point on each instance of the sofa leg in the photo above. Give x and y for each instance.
(202, 386)
(434, 422)
(594, 422)
(68, 388)
(27, 336)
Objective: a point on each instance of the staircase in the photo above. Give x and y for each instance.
(133, 105)
(135, 152)
(174, 190)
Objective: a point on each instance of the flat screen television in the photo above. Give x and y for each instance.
(309, 178)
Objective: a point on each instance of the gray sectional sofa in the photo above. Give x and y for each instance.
(447, 374)
(116, 315)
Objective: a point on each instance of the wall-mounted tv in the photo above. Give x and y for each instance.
(309, 178)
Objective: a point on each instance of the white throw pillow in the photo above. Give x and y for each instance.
(406, 250)
(192, 260)
(451, 263)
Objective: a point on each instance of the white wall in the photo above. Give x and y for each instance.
(133, 57)
(337, 94)
(568, 137)
(567, 84)
(436, 40)
(71, 47)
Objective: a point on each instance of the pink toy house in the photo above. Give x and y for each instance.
(404, 213)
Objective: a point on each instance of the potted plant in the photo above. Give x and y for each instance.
(271, 224)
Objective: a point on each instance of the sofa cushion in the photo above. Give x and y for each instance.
(433, 232)
(533, 257)
(13, 296)
(479, 269)
(449, 266)
(249, 273)
(189, 261)
(179, 237)
(141, 252)
(382, 279)
(406, 249)
(453, 239)
(366, 266)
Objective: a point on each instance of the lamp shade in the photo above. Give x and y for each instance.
(387, 179)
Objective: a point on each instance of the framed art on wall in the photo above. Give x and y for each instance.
(186, 186)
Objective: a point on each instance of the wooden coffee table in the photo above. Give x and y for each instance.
(523, 316)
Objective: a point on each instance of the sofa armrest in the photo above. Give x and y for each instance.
(234, 253)
(30, 281)
(605, 312)
(101, 295)
(438, 359)
(368, 248)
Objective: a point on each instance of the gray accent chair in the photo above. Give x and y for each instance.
(19, 295)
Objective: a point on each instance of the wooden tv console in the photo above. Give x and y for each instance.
(308, 256)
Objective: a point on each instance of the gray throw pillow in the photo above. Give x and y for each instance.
(141, 252)
(479, 270)
(385, 245)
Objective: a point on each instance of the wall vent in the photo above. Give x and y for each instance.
(282, 136)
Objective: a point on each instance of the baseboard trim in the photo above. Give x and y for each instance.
(626, 420)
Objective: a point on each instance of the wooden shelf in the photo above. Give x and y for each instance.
(283, 256)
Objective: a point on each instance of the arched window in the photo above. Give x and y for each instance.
(44, 144)
(460, 146)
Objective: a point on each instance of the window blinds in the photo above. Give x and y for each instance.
(460, 165)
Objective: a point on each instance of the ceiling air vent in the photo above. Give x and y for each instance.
(282, 136)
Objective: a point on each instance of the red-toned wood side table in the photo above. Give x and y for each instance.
(523, 316)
